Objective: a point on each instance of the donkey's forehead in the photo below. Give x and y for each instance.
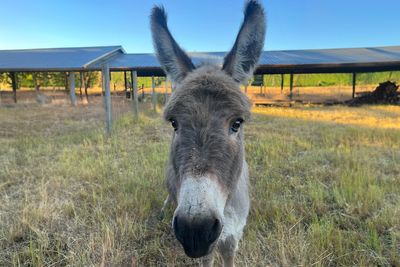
(208, 89)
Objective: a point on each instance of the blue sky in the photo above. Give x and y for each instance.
(206, 25)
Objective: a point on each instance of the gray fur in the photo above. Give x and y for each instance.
(205, 103)
(206, 100)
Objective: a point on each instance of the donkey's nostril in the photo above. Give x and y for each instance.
(197, 236)
(215, 231)
(216, 224)
(178, 231)
(175, 224)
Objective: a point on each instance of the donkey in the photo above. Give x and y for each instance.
(207, 176)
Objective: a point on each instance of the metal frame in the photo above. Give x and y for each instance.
(114, 57)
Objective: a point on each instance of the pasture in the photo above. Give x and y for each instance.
(324, 188)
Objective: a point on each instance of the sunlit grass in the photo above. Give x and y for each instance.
(367, 116)
(324, 184)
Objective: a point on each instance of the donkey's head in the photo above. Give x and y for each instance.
(206, 110)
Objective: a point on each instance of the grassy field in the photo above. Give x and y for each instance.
(270, 80)
(312, 94)
(324, 184)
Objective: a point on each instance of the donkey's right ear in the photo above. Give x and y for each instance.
(242, 59)
(173, 59)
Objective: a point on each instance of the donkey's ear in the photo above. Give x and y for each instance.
(242, 59)
(172, 58)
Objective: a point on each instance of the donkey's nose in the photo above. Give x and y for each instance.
(197, 236)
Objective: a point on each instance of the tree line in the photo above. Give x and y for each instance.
(58, 80)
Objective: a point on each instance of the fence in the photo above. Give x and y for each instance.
(153, 92)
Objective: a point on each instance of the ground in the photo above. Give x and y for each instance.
(324, 187)
(266, 95)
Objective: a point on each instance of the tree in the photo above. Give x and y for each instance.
(5, 78)
(117, 79)
(90, 78)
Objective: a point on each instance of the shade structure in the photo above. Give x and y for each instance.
(56, 59)
(340, 60)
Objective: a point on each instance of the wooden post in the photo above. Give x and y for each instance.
(14, 85)
(354, 85)
(291, 86)
(82, 79)
(80, 86)
(71, 87)
(166, 89)
(126, 84)
(262, 85)
(132, 86)
(105, 72)
(245, 89)
(153, 87)
(45, 79)
(83, 84)
(66, 82)
(282, 80)
(134, 97)
(35, 84)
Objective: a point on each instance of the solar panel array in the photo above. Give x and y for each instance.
(92, 58)
(54, 59)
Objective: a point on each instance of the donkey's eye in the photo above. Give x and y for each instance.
(236, 125)
(174, 124)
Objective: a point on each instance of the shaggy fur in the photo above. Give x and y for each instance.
(207, 154)
(204, 105)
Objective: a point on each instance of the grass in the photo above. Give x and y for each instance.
(324, 184)
(329, 79)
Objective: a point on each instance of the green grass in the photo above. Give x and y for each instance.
(274, 80)
(333, 79)
(324, 185)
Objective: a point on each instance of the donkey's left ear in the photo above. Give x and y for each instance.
(175, 62)
(242, 59)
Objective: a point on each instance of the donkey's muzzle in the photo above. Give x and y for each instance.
(197, 236)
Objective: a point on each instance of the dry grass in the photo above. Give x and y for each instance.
(386, 117)
(324, 188)
(315, 94)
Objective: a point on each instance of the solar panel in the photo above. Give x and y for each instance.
(53, 59)
(315, 60)
(289, 61)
